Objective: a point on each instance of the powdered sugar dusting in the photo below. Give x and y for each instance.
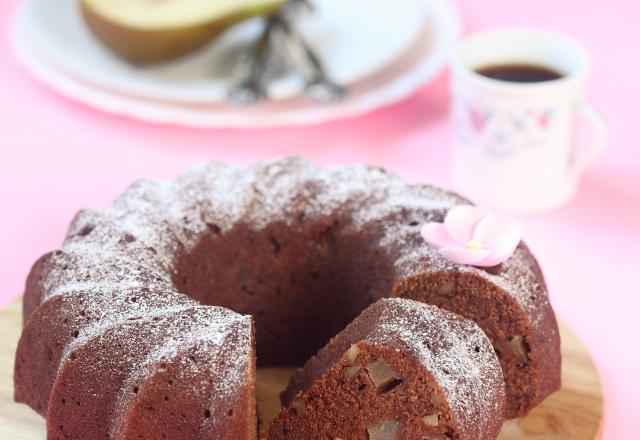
(117, 349)
(151, 222)
(147, 227)
(199, 355)
(132, 247)
(455, 351)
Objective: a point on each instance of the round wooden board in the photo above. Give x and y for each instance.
(573, 413)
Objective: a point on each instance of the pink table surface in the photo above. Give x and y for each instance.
(57, 157)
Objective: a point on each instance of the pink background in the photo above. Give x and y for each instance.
(57, 157)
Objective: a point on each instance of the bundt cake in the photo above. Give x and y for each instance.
(400, 370)
(126, 302)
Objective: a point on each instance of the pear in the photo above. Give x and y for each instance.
(150, 31)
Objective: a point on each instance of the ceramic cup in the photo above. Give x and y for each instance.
(515, 144)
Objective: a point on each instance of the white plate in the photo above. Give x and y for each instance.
(352, 37)
(440, 30)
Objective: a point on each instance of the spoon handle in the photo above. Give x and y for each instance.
(319, 86)
(254, 88)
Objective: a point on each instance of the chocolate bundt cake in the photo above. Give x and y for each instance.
(400, 370)
(300, 248)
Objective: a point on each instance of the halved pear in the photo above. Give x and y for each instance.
(148, 31)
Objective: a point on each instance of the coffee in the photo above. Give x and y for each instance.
(520, 73)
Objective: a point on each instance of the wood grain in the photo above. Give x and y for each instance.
(573, 413)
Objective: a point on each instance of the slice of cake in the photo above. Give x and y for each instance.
(401, 370)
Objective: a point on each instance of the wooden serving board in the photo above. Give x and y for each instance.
(573, 413)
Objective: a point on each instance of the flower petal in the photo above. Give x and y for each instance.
(461, 222)
(497, 227)
(464, 255)
(501, 251)
(436, 235)
(492, 260)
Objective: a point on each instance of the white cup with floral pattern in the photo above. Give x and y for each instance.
(515, 144)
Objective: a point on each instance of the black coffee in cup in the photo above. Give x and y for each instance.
(520, 73)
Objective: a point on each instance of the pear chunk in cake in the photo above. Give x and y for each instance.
(401, 370)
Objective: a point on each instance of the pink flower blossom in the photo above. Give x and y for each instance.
(469, 236)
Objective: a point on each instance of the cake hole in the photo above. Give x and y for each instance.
(170, 382)
(86, 230)
(414, 223)
(128, 238)
(249, 274)
(476, 349)
(230, 413)
(361, 387)
(63, 401)
(77, 403)
(166, 398)
(135, 390)
(76, 333)
(207, 413)
(389, 386)
(72, 356)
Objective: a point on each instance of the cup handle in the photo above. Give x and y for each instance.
(601, 133)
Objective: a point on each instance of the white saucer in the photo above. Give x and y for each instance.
(350, 46)
(427, 55)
